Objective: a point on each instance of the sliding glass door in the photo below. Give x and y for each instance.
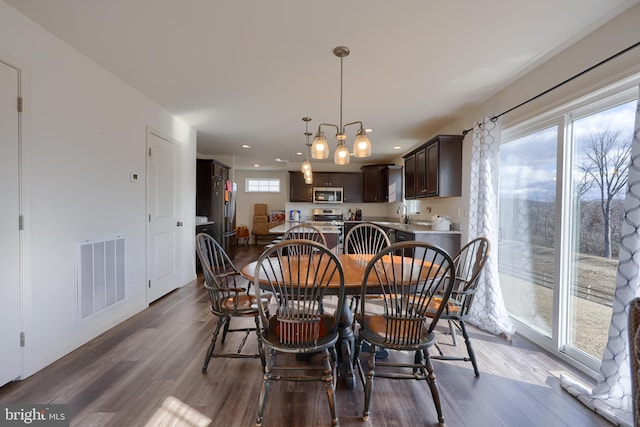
(526, 227)
(601, 140)
(562, 184)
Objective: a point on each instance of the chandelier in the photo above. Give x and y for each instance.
(361, 146)
(306, 165)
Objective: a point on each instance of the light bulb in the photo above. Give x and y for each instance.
(341, 156)
(320, 148)
(362, 145)
(306, 165)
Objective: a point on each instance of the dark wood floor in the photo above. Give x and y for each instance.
(147, 371)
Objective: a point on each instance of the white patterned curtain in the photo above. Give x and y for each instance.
(611, 398)
(488, 311)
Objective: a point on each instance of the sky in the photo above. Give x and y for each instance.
(528, 165)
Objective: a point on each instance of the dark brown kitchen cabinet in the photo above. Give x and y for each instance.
(435, 168)
(410, 176)
(377, 179)
(211, 178)
(432, 174)
(328, 179)
(352, 184)
(298, 190)
(206, 172)
(450, 242)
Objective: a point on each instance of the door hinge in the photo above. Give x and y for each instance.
(20, 222)
(21, 339)
(149, 217)
(149, 152)
(19, 104)
(149, 284)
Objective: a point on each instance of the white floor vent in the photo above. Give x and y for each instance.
(100, 274)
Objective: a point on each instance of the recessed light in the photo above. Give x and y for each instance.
(281, 160)
(368, 130)
(245, 146)
(256, 165)
(397, 147)
(298, 154)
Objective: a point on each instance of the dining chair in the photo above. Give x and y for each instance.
(300, 274)
(469, 264)
(228, 299)
(365, 238)
(409, 277)
(305, 232)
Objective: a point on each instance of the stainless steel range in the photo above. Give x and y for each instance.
(327, 215)
(330, 217)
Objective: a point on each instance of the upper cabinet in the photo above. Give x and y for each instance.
(378, 179)
(328, 179)
(298, 190)
(435, 168)
(351, 183)
(352, 187)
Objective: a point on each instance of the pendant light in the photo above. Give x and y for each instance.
(362, 145)
(306, 165)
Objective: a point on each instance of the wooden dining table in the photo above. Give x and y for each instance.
(353, 266)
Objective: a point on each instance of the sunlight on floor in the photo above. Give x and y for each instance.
(175, 413)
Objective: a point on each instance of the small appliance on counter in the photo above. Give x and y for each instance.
(294, 215)
(440, 223)
(358, 216)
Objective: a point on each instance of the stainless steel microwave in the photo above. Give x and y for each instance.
(327, 195)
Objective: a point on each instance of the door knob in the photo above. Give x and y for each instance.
(179, 223)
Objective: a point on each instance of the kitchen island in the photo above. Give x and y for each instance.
(333, 231)
(449, 240)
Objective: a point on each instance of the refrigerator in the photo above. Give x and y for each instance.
(223, 214)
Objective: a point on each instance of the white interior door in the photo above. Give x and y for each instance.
(163, 215)
(11, 354)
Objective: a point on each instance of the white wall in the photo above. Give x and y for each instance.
(245, 201)
(83, 132)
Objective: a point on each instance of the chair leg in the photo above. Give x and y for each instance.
(472, 354)
(329, 375)
(260, 344)
(226, 329)
(264, 391)
(334, 354)
(368, 389)
(452, 330)
(433, 385)
(212, 346)
(417, 360)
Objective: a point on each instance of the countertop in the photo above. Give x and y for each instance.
(417, 227)
(326, 229)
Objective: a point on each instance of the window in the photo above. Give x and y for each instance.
(262, 185)
(562, 184)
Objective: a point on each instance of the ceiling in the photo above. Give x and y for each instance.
(246, 72)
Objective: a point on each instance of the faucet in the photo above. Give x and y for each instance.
(403, 218)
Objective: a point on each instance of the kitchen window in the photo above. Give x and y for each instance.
(561, 192)
(262, 185)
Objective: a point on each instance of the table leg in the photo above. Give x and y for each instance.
(345, 348)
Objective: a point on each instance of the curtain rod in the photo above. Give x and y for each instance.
(622, 52)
